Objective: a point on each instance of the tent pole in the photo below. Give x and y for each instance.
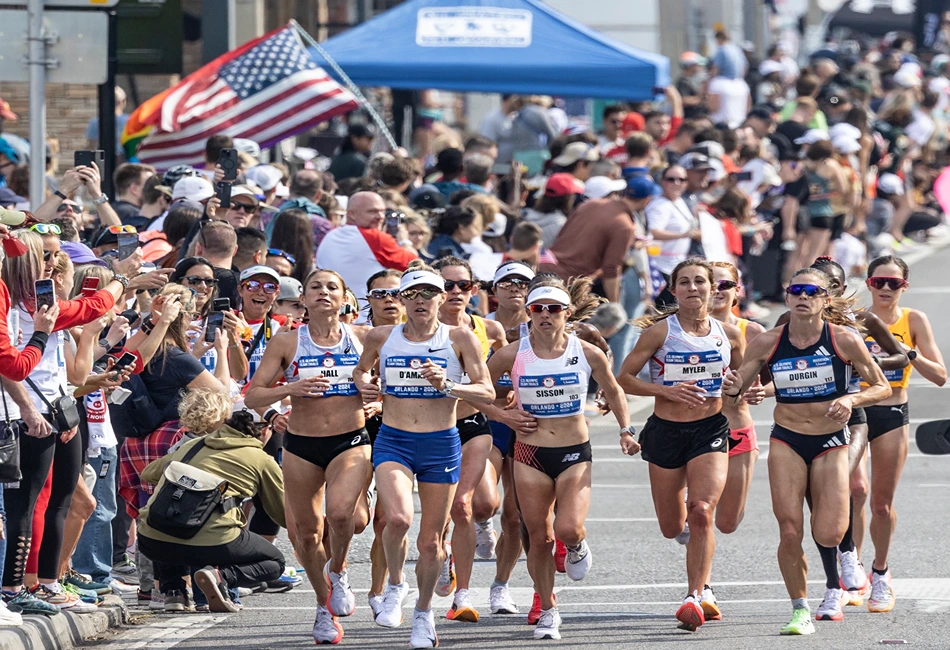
(349, 84)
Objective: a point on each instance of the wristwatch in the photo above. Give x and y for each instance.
(121, 279)
(911, 355)
(628, 429)
(102, 199)
(449, 386)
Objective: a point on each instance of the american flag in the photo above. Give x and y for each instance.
(267, 90)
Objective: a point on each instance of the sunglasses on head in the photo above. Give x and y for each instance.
(196, 279)
(810, 290)
(427, 294)
(463, 285)
(256, 285)
(726, 285)
(881, 281)
(380, 294)
(512, 284)
(46, 229)
(279, 253)
(551, 309)
(115, 230)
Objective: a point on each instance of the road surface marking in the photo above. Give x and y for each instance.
(165, 633)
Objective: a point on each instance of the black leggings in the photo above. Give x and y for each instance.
(260, 523)
(246, 562)
(67, 466)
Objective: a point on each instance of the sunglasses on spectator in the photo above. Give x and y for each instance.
(256, 285)
(47, 255)
(725, 285)
(69, 207)
(426, 294)
(237, 206)
(279, 253)
(810, 290)
(511, 284)
(463, 285)
(881, 281)
(380, 294)
(674, 179)
(115, 230)
(46, 229)
(196, 279)
(551, 309)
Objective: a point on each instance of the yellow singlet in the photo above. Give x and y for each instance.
(901, 331)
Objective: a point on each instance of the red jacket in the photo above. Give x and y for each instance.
(14, 365)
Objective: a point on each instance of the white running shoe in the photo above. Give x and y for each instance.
(853, 575)
(485, 539)
(683, 538)
(390, 612)
(342, 600)
(462, 608)
(500, 601)
(325, 628)
(548, 624)
(831, 607)
(446, 582)
(423, 630)
(157, 604)
(120, 588)
(882, 597)
(375, 604)
(579, 560)
(8, 618)
(709, 605)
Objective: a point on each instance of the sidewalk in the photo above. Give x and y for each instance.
(63, 631)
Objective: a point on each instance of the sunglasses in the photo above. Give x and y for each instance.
(279, 253)
(810, 290)
(195, 279)
(463, 285)
(412, 294)
(674, 179)
(380, 294)
(512, 284)
(47, 255)
(115, 230)
(881, 281)
(246, 208)
(551, 309)
(346, 309)
(256, 285)
(46, 229)
(725, 285)
(66, 207)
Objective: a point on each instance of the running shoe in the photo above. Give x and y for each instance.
(854, 578)
(54, 594)
(462, 608)
(80, 581)
(560, 556)
(126, 571)
(120, 588)
(882, 597)
(157, 603)
(9, 618)
(423, 630)
(707, 600)
(535, 612)
(485, 539)
(85, 595)
(177, 601)
(342, 601)
(142, 597)
(683, 538)
(243, 592)
(579, 559)
(279, 586)
(28, 604)
(325, 628)
(800, 624)
(830, 608)
(548, 624)
(690, 614)
(375, 604)
(446, 582)
(394, 597)
(500, 602)
(212, 585)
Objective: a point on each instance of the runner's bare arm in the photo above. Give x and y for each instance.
(896, 358)
(929, 363)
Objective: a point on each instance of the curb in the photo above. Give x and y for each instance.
(63, 631)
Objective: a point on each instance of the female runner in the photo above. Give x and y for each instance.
(810, 361)
(476, 438)
(421, 365)
(550, 369)
(686, 448)
(889, 420)
(326, 445)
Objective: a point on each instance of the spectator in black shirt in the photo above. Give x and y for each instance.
(690, 84)
(129, 179)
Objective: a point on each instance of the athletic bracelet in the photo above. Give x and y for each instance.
(270, 414)
(61, 195)
(147, 324)
(731, 395)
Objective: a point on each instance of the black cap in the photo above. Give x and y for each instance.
(784, 149)
(762, 113)
(361, 130)
(427, 197)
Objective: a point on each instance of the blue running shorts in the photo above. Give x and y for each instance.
(433, 457)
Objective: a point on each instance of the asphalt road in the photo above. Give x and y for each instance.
(638, 577)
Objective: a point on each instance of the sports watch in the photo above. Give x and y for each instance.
(629, 429)
(911, 355)
(449, 386)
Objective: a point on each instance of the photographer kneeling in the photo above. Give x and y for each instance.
(195, 510)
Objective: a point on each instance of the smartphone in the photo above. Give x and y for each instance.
(86, 158)
(215, 322)
(221, 304)
(501, 169)
(89, 286)
(44, 293)
(128, 242)
(743, 176)
(228, 159)
(393, 219)
(222, 190)
(124, 361)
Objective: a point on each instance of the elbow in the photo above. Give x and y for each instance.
(940, 379)
(251, 400)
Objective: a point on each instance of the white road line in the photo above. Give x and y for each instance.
(618, 520)
(165, 633)
(933, 485)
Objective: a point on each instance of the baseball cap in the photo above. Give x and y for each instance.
(597, 187)
(843, 129)
(497, 227)
(9, 197)
(563, 184)
(640, 187)
(5, 111)
(185, 203)
(692, 58)
(890, 183)
(574, 152)
(844, 144)
(259, 269)
(427, 197)
(290, 289)
(80, 253)
(249, 147)
(513, 269)
(769, 66)
(243, 190)
(812, 136)
(193, 188)
(709, 148)
(361, 130)
(761, 113)
(266, 177)
(421, 278)
(694, 160)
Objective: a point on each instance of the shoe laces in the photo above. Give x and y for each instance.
(324, 617)
(547, 618)
(446, 574)
(880, 589)
(832, 597)
(462, 599)
(575, 555)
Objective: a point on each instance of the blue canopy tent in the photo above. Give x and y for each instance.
(504, 46)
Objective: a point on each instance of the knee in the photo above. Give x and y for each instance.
(84, 504)
(429, 547)
(397, 523)
(483, 510)
(699, 514)
(540, 534)
(790, 534)
(670, 528)
(569, 532)
(339, 519)
(828, 538)
(881, 508)
(859, 490)
(728, 524)
(462, 510)
(510, 521)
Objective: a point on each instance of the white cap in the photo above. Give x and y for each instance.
(259, 269)
(576, 151)
(243, 190)
(597, 187)
(193, 188)
(249, 147)
(343, 200)
(844, 144)
(812, 136)
(762, 174)
(513, 268)
(267, 177)
(421, 278)
(290, 289)
(890, 183)
(769, 66)
(845, 129)
(908, 76)
(549, 293)
(497, 227)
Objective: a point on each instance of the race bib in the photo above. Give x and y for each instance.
(551, 396)
(890, 375)
(404, 377)
(804, 377)
(505, 380)
(703, 367)
(337, 368)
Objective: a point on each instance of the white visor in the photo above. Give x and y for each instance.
(421, 278)
(510, 269)
(549, 293)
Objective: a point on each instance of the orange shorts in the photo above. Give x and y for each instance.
(742, 441)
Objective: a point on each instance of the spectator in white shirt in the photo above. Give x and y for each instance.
(672, 224)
